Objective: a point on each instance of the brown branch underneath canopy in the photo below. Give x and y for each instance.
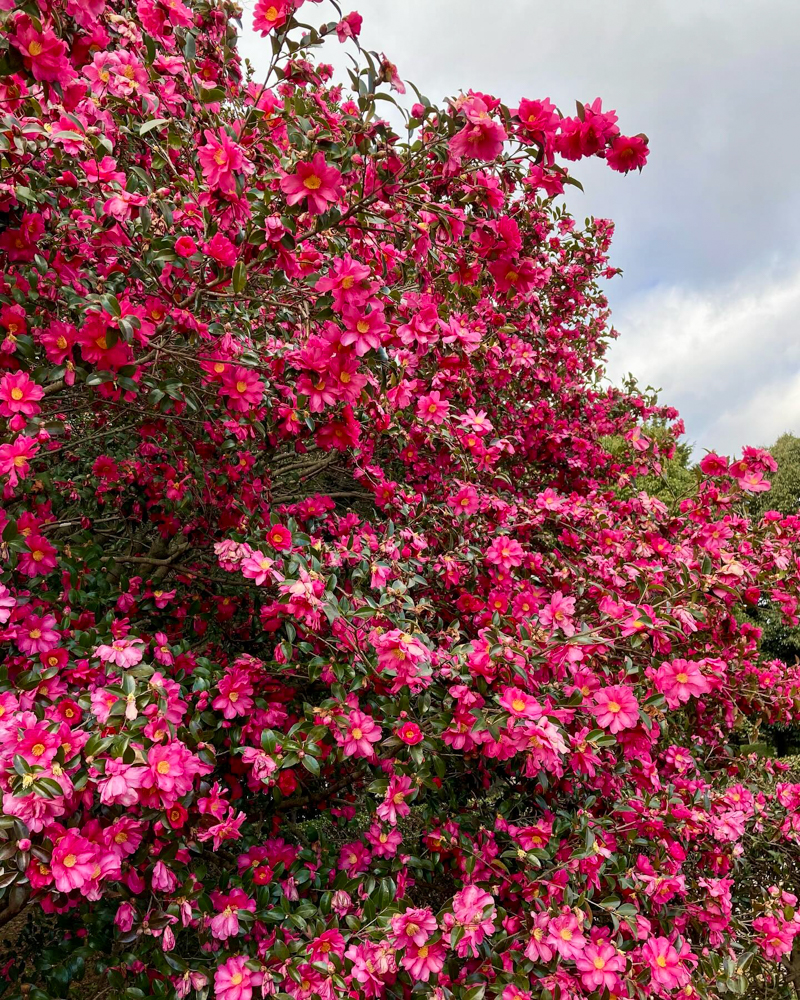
(17, 900)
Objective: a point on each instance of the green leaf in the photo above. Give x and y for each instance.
(239, 276)
(146, 127)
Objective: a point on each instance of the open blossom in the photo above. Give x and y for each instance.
(599, 965)
(482, 137)
(398, 650)
(235, 694)
(615, 708)
(409, 733)
(258, 567)
(664, 963)
(73, 862)
(19, 394)
(270, 14)
(564, 935)
(505, 552)
(361, 733)
(413, 926)
(7, 604)
(15, 458)
(122, 652)
(38, 558)
(395, 801)
(42, 51)
(558, 613)
(432, 409)
(538, 948)
(221, 159)
(474, 911)
(627, 153)
(679, 680)
(243, 388)
(385, 843)
(423, 961)
(233, 980)
(315, 181)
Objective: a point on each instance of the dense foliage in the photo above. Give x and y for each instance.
(343, 652)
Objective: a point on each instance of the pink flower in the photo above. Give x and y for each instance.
(538, 118)
(753, 482)
(364, 327)
(221, 159)
(19, 394)
(233, 980)
(564, 935)
(37, 635)
(7, 604)
(420, 961)
(397, 650)
(243, 387)
(599, 964)
(774, 939)
(315, 181)
(664, 963)
(185, 246)
(124, 917)
(348, 281)
(258, 567)
(465, 501)
(520, 704)
(538, 948)
(73, 862)
(329, 943)
(220, 249)
(558, 613)
(122, 652)
(615, 708)
(409, 733)
(477, 422)
(385, 843)
(270, 14)
(474, 910)
(162, 879)
(362, 732)
(43, 52)
(713, 464)
(627, 153)
(482, 137)
(413, 927)
(432, 409)
(39, 559)
(394, 803)
(280, 538)
(679, 680)
(505, 552)
(349, 26)
(235, 694)
(15, 458)
(354, 858)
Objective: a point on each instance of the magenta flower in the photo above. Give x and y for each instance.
(73, 862)
(19, 394)
(615, 708)
(315, 181)
(361, 733)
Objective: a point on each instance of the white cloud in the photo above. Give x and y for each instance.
(728, 359)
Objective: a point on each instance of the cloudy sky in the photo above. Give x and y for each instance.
(708, 308)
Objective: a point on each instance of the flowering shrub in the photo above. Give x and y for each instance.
(342, 654)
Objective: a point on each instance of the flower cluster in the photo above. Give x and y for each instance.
(344, 653)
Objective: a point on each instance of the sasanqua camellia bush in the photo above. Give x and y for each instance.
(342, 656)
